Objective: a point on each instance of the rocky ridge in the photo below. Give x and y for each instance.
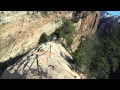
(20, 32)
(48, 61)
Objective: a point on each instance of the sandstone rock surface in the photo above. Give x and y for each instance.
(20, 32)
(52, 64)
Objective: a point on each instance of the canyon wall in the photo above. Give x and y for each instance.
(20, 31)
(86, 26)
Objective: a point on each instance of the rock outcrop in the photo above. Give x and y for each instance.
(20, 30)
(48, 61)
(86, 26)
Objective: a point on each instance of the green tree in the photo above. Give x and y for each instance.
(43, 38)
(100, 55)
(82, 57)
(66, 31)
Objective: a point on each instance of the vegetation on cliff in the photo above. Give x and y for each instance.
(99, 56)
(66, 31)
(83, 56)
(43, 38)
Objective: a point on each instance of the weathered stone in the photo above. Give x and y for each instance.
(19, 35)
(19, 32)
(52, 65)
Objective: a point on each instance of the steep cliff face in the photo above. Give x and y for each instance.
(48, 61)
(21, 30)
(86, 26)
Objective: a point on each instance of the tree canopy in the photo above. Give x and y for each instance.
(100, 57)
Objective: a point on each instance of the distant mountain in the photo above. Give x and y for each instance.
(108, 22)
(104, 14)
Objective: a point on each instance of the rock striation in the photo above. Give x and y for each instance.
(48, 61)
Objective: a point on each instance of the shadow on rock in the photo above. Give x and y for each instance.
(11, 61)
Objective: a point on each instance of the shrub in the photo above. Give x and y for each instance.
(43, 38)
(75, 20)
(44, 13)
(66, 31)
(82, 57)
(76, 16)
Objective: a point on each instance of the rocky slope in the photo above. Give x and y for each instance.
(48, 61)
(20, 30)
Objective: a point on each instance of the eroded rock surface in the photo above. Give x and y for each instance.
(19, 32)
(53, 63)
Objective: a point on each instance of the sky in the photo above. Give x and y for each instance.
(114, 12)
